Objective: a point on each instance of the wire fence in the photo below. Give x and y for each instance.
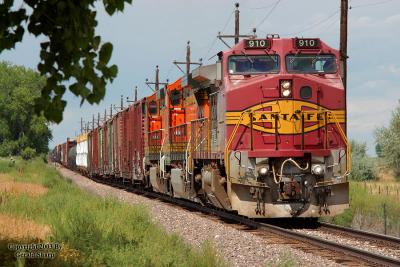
(376, 207)
(386, 189)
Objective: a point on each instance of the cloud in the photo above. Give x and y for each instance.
(393, 20)
(390, 68)
(361, 22)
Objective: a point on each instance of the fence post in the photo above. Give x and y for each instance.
(387, 190)
(384, 217)
(379, 189)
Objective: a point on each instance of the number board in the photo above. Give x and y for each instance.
(308, 43)
(257, 44)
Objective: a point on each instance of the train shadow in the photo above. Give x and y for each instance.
(293, 223)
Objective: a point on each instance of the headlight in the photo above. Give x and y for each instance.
(317, 169)
(262, 171)
(286, 88)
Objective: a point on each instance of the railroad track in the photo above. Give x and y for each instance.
(343, 254)
(385, 240)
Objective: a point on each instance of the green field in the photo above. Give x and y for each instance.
(366, 210)
(41, 206)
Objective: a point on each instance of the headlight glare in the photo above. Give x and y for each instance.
(286, 92)
(286, 85)
(317, 169)
(262, 171)
(286, 88)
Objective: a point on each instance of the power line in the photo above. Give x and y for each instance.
(262, 7)
(215, 39)
(268, 14)
(324, 29)
(314, 25)
(169, 71)
(371, 4)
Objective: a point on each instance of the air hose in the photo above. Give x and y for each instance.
(283, 164)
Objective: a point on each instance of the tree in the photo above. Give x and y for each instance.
(22, 132)
(363, 167)
(71, 51)
(388, 140)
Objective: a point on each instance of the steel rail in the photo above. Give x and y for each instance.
(395, 241)
(361, 255)
(323, 243)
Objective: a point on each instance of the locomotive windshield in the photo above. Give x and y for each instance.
(311, 63)
(246, 64)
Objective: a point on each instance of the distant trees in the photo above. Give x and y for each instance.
(363, 167)
(22, 132)
(388, 142)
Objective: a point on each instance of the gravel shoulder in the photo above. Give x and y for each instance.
(238, 248)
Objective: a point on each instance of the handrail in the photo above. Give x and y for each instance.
(188, 156)
(198, 132)
(348, 148)
(201, 119)
(161, 149)
(228, 144)
(180, 125)
(155, 131)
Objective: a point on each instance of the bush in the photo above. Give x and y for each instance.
(388, 142)
(9, 147)
(363, 167)
(28, 153)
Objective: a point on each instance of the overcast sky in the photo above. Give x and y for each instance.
(151, 32)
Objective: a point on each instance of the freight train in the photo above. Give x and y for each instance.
(262, 132)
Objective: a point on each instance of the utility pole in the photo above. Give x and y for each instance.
(237, 34)
(344, 7)
(135, 93)
(98, 119)
(188, 62)
(81, 125)
(111, 108)
(237, 23)
(188, 58)
(105, 115)
(135, 97)
(156, 83)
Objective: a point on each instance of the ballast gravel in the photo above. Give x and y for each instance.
(236, 247)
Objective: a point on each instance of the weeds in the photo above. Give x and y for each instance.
(366, 211)
(98, 231)
(286, 259)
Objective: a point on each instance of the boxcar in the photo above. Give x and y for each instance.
(93, 152)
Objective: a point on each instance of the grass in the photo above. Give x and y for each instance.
(286, 259)
(366, 211)
(94, 231)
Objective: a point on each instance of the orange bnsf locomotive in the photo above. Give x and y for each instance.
(262, 133)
